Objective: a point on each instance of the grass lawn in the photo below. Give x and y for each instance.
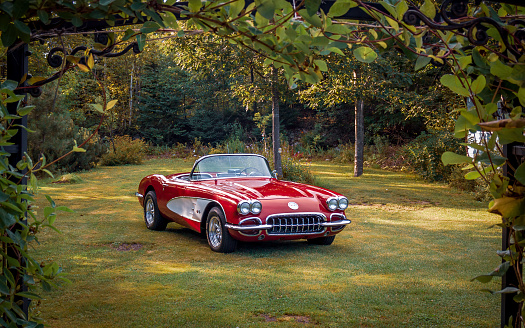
(405, 261)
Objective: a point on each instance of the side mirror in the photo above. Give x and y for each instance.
(274, 174)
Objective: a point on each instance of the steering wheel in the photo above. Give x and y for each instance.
(251, 171)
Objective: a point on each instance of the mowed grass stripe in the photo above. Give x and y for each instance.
(406, 260)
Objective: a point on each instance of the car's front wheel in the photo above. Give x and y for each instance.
(152, 217)
(328, 240)
(218, 236)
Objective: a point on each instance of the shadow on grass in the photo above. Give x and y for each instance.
(256, 249)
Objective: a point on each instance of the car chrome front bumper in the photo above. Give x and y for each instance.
(269, 226)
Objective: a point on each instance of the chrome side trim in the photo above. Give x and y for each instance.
(139, 195)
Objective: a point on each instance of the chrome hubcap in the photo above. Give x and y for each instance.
(215, 231)
(149, 212)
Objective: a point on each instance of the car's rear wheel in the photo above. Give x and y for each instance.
(328, 240)
(152, 217)
(218, 236)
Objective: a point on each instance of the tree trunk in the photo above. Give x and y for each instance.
(131, 93)
(359, 138)
(275, 125)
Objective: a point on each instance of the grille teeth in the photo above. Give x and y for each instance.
(295, 224)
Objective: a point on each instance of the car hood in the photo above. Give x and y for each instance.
(267, 189)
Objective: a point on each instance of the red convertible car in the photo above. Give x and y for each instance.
(235, 197)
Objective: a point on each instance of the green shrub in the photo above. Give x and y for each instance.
(55, 135)
(423, 154)
(124, 150)
(346, 153)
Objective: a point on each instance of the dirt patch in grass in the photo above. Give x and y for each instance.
(287, 318)
(124, 247)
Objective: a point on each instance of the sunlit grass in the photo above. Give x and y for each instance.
(405, 261)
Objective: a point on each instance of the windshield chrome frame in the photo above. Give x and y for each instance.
(240, 154)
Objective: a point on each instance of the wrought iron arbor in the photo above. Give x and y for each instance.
(445, 20)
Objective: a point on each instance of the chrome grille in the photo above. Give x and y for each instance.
(295, 224)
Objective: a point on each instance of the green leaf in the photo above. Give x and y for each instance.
(195, 5)
(9, 35)
(428, 9)
(3, 288)
(76, 149)
(521, 96)
(149, 27)
(266, 8)
(401, 9)
(321, 64)
(478, 85)
(9, 84)
(520, 173)
(29, 295)
(170, 20)
(312, 6)
(51, 201)
(25, 110)
(128, 34)
(77, 21)
(22, 27)
(97, 107)
(507, 136)
(13, 207)
(421, 62)
(465, 61)
(506, 290)
(236, 7)
(453, 83)
(508, 207)
(449, 158)
(498, 272)
(141, 41)
(43, 15)
(111, 104)
(341, 7)
(365, 54)
(500, 70)
(33, 182)
(65, 209)
(463, 126)
(312, 19)
(392, 23)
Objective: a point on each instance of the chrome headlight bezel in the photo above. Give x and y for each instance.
(256, 207)
(332, 203)
(337, 203)
(245, 207)
(343, 203)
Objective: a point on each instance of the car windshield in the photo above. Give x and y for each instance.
(230, 166)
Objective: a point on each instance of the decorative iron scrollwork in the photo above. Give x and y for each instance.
(54, 60)
(476, 28)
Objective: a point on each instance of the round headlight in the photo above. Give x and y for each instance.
(332, 204)
(243, 207)
(343, 203)
(256, 207)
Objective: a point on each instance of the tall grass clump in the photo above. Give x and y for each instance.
(124, 150)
